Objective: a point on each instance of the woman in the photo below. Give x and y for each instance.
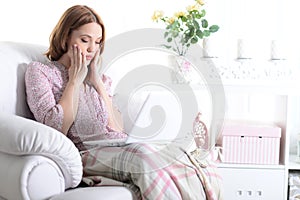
(69, 94)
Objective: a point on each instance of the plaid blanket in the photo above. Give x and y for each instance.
(152, 171)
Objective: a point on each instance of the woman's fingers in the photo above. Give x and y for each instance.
(79, 58)
(99, 58)
(84, 64)
(71, 55)
(75, 56)
(95, 60)
(78, 64)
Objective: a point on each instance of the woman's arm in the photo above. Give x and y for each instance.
(70, 97)
(114, 116)
(69, 104)
(40, 97)
(39, 80)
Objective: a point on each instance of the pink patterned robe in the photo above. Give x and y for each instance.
(45, 84)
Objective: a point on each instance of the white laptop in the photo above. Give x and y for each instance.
(156, 116)
(158, 120)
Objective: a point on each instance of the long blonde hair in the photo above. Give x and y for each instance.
(72, 19)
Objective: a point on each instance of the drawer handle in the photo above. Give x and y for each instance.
(249, 192)
(239, 193)
(259, 193)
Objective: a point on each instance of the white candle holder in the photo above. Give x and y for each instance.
(244, 49)
(277, 50)
(209, 49)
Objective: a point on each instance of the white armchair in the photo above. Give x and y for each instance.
(36, 161)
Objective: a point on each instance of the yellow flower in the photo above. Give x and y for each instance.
(171, 20)
(179, 14)
(157, 15)
(193, 7)
(201, 2)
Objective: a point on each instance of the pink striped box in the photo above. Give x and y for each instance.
(251, 144)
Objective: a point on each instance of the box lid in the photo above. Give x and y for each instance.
(251, 130)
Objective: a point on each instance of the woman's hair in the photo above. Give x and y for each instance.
(72, 19)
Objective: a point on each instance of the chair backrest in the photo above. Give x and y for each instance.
(14, 58)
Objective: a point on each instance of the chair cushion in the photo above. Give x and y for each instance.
(14, 58)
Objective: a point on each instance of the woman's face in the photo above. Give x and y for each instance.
(87, 38)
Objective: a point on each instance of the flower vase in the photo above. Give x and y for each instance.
(181, 69)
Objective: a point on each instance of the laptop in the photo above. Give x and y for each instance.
(156, 118)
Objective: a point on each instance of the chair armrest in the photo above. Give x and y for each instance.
(21, 136)
(29, 177)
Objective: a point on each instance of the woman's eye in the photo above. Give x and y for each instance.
(83, 40)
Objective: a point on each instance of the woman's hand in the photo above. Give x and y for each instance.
(70, 97)
(78, 69)
(94, 76)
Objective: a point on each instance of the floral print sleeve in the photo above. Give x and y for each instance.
(107, 84)
(107, 81)
(40, 96)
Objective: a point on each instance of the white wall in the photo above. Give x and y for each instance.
(254, 20)
(33, 20)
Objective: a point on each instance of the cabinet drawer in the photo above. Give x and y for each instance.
(255, 184)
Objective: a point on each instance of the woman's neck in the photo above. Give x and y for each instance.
(65, 61)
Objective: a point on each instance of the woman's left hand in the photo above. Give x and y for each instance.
(94, 76)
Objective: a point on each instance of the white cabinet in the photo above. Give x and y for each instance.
(275, 102)
(253, 183)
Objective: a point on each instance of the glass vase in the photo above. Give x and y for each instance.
(181, 69)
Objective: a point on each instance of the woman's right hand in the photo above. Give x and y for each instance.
(77, 73)
(78, 69)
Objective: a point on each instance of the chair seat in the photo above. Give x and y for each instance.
(96, 193)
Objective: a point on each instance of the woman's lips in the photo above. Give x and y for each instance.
(89, 57)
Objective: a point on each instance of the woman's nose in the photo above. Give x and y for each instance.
(91, 48)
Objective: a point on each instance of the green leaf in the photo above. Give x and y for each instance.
(189, 32)
(198, 16)
(200, 34)
(196, 24)
(194, 40)
(203, 13)
(175, 24)
(206, 33)
(166, 34)
(192, 30)
(166, 46)
(213, 28)
(169, 39)
(175, 34)
(189, 27)
(204, 23)
(186, 39)
(183, 18)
